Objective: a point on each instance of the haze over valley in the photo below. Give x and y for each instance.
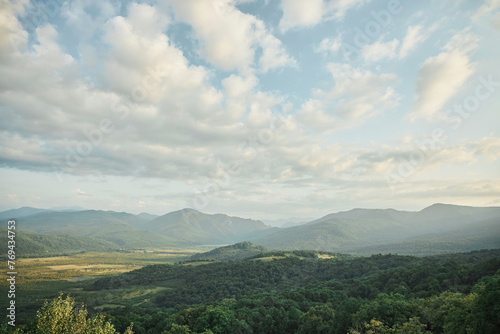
(440, 228)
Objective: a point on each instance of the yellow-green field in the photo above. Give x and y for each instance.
(39, 279)
(79, 266)
(325, 256)
(269, 258)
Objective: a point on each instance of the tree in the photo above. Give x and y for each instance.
(178, 329)
(389, 309)
(319, 319)
(219, 319)
(449, 312)
(412, 326)
(486, 310)
(62, 316)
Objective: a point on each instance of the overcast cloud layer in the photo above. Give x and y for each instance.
(264, 109)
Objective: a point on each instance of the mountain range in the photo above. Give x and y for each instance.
(437, 228)
(440, 228)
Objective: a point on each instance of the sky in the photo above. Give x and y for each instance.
(265, 109)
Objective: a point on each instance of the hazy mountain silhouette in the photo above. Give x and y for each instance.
(364, 230)
(191, 226)
(435, 229)
(21, 212)
(117, 227)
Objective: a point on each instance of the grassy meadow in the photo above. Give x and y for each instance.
(43, 278)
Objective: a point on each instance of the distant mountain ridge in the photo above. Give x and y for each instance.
(147, 216)
(192, 226)
(287, 222)
(37, 244)
(185, 227)
(116, 227)
(439, 228)
(21, 212)
(362, 230)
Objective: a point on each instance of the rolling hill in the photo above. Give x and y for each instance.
(448, 228)
(147, 216)
(193, 227)
(480, 235)
(116, 227)
(439, 228)
(36, 244)
(21, 212)
(236, 252)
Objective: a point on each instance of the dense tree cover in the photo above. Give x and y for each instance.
(363, 277)
(310, 310)
(437, 229)
(319, 319)
(380, 294)
(37, 245)
(292, 294)
(120, 229)
(236, 252)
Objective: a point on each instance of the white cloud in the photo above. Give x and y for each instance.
(80, 193)
(239, 93)
(312, 114)
(496, 21)
(169, 132)
(329, 45)
(378, 50)
(356, 96)
(361, 94)
(12, 35)
(488, 147)
(274, 55)
(180, 93)
(230, 38)
(52, 113)
(422, 158)
(86, 17)
(195, 122)
(441, 76)
(336, 9)
(489, 7)
(299, 13)
(414, 36)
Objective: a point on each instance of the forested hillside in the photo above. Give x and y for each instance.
(439, 228)
(38, 245)
(120, 228)
(290, 293)
(193, 227)
(298, 292)
(21, 212)
(239, 251)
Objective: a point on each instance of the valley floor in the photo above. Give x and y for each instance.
(271, 292)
